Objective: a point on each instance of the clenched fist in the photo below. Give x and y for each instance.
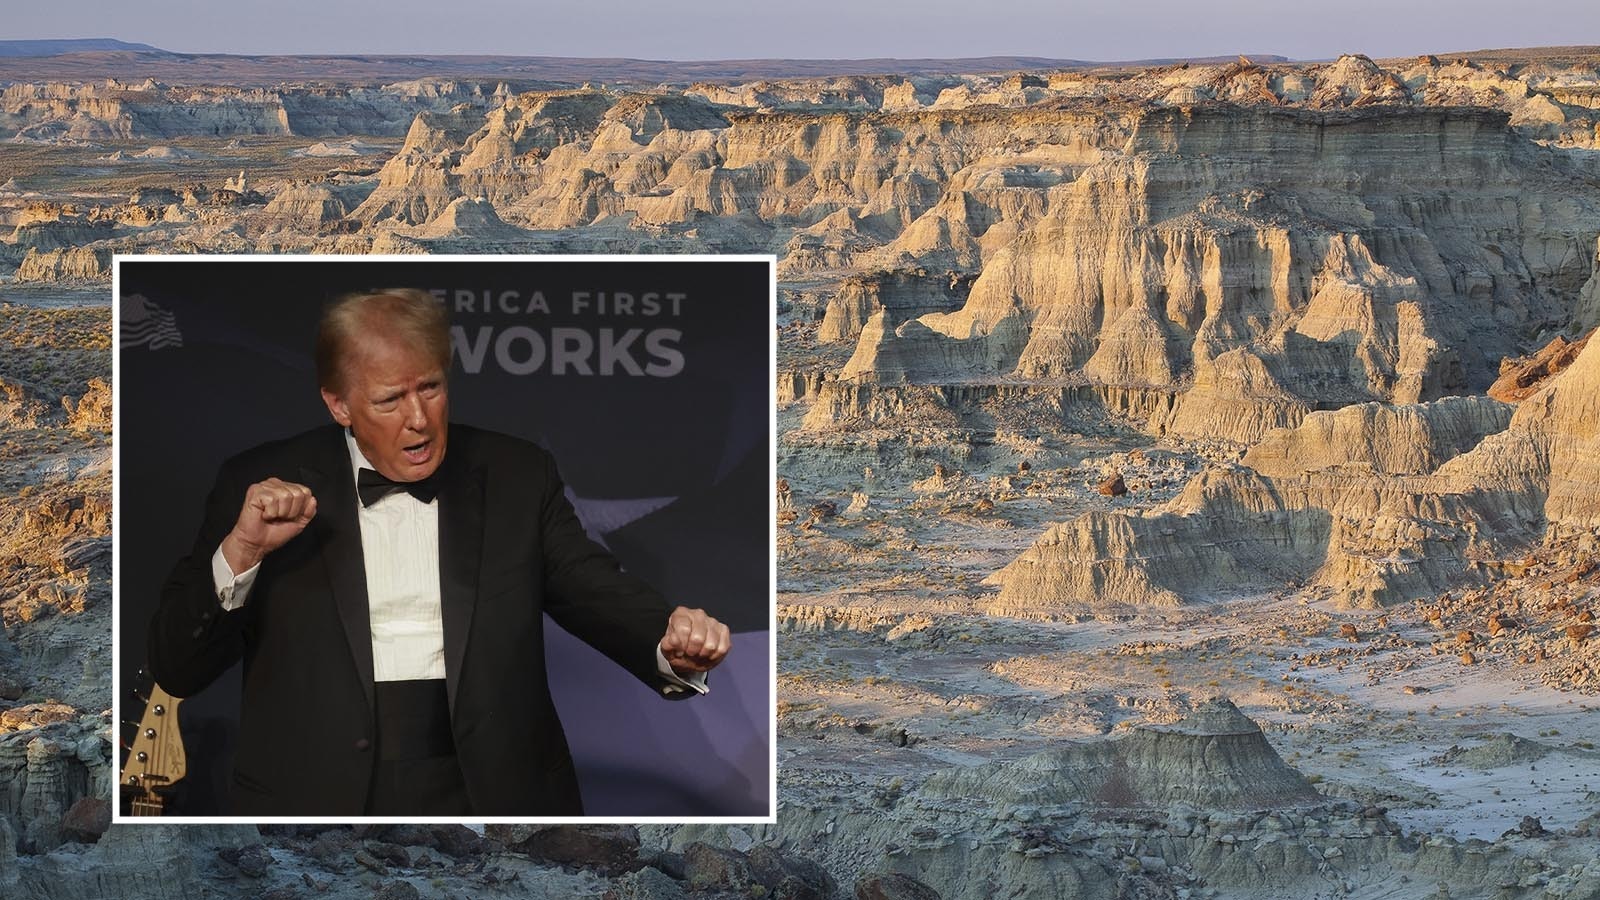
(694, 641)
(274, 512)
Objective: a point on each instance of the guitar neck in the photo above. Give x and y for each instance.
(155, 758)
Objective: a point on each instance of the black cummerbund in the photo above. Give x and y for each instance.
(413, 720)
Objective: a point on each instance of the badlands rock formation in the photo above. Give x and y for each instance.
(1203, 269)
(1215, 758)
(1287, 285)
(55, 587)
(113, 110)
(1369, 504)
(1200, 807)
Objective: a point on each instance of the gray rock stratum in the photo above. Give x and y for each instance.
(1201, 807)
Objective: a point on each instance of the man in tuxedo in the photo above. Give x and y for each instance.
(384, 580)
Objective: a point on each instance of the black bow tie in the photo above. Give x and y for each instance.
(372, 487)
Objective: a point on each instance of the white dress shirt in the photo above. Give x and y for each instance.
(400, 552)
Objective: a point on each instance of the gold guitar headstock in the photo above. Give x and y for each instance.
(155, 760)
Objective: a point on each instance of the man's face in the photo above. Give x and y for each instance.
(394, 400)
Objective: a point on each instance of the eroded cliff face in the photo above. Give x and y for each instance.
(1368, 505)
(1207, 271)
(1254, 266)
(115, 110)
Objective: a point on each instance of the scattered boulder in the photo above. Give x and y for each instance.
(789, 877)
(608, 849)
(709, 868)
(253, 860)
(397, 890)
(1521, 377)
(825, 509)
(1113, 486)
(456, 840)
(86, 820)
(1499, 622)
(332, 847)
(648, 884)
(1530, 827)
(11, 687)
(893, 886)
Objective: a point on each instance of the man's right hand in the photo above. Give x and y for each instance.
(274, 512)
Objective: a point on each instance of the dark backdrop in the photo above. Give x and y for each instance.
(660, 423)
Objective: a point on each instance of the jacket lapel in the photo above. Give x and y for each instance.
(339, 535)
(461, 518)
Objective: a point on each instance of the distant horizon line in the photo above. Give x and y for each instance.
(137, 47)
(140, 47)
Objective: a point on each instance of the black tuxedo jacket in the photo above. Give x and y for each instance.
(511, 549)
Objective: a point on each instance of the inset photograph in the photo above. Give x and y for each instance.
(458, 539)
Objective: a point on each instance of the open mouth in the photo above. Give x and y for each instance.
(418, 453)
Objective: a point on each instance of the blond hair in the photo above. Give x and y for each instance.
(415, 316)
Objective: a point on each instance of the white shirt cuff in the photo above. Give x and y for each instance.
(677, 684)
(232, 590)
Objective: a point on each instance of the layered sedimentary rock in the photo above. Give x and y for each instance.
(76, 264)
(130, 861)
(314, 207)
(1257, 265)
(471, 220)
(46, 769)
(1369, 504)
(903, 295)
(114, 110)
(1380, 438)
(466, 152)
